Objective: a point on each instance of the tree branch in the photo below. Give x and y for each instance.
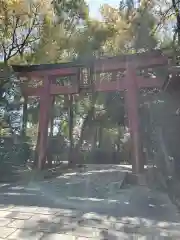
(13, 38)
(4, 52)
(19, 47)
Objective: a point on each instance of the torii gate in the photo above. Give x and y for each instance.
(119, 74)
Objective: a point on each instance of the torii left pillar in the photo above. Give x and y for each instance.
(44, 114)
(132, 107)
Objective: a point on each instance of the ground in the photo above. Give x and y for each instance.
(87, 205)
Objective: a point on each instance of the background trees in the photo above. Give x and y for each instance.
(38, 32)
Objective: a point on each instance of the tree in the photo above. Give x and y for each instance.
(63, 31)
(33, 32)
(20, 23)
(143, 25)
(116, 19)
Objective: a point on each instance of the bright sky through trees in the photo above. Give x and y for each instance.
(95, 5)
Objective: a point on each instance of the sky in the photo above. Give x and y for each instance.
(95, 4)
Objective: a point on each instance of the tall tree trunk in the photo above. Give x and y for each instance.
(89, 118)
(25, 117)
(100, 135)
(49, 154)
(36, 150)
(119, 139)
(95, 138)
(71, 119)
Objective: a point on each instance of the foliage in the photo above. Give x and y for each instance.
(20, 24)
(12, 155)
(10, 100)
(35, 32)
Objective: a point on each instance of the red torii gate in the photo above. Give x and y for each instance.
(111, 74)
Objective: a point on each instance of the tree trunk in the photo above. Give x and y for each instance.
(36, 151)
(49, 154)
(119, 139)
(95, 138)
(89, 118)
(25, 118)
(100, 136)
(71, 118)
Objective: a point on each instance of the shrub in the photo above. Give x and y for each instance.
(13, 155)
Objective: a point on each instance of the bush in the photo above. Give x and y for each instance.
(12, 155)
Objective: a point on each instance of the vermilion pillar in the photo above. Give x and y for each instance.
(45, 104)
(132, 106)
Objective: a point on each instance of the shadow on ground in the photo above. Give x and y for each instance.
(87, 204)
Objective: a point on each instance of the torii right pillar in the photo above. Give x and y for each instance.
(132, 108)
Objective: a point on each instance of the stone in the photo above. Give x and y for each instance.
(18, 224)
(25, 234)
(4, 221)
(68, 213)
(59, 228)
(20, 215)
(28, 209)
(42, 210)
(45, 218)
(59, 237)
(6, 231)
(87, 232)
(4, 214)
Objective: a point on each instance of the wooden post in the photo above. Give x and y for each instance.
(45, 104)
(132, 105)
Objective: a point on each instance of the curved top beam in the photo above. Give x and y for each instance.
(121, 59)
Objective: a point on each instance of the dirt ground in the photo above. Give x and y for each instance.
(91, 204)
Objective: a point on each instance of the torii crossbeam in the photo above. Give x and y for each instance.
(100, 75)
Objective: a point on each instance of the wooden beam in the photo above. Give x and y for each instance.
(149, 82)
(54, 89)
(98, 87)
(36, 92)
(174, 69)
(51, 72)
(108, 65)
(151, 62)
(108, 86)
(104, 65)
